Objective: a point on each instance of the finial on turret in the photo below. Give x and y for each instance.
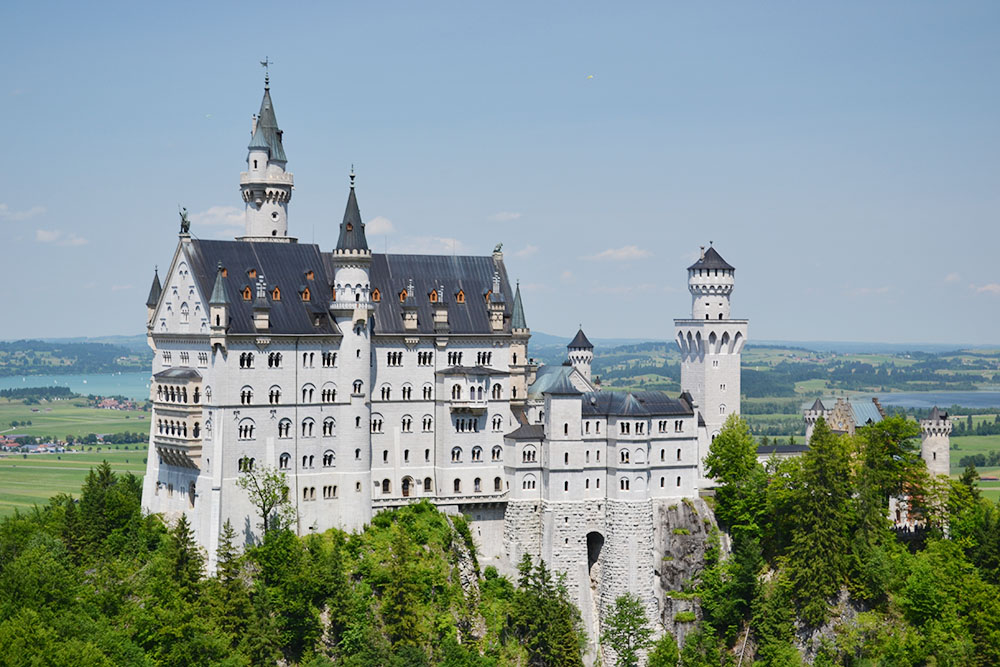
(265, 63)
(352, 175)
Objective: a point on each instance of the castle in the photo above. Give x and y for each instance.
(375, 380)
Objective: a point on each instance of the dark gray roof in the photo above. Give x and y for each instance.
(562, 387)
(219, 289)
(818, 406)
(638, 404)
(471, 275)
(527, 432)
(283, 265)
(712, 260)
(937, 414)
(352, 230)
(517, 320)
(266, 135)
(580, 342)
(154, 291)
(178, 374)
(471, 370)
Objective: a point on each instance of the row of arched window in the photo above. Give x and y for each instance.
(177, 428)
(664, 424)
(327, 395)
(477, 454)
(172, 394)
(625, 428)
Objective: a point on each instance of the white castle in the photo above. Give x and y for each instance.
(376, 380)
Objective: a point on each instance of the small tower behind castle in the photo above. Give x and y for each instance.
(935, 442)
(581, 354)
(266, 186)
(812, 415)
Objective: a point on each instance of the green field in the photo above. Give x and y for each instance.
(30, 479)
(70, 417)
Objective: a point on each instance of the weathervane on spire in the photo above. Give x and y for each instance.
(352, 175)
(265, 63)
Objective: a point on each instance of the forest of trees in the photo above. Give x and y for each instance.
(35, 357)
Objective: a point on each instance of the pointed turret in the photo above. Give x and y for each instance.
(154, 297)
(517, 320)
(219, 297)
(352, 230)
(581, 353)
(580, 342)
(218, 310)
(266, 186)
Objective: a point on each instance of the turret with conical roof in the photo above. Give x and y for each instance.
(154, 297)
(517, 321)
(710, 280)
(581, 353)
(218, 309)
(266, 186)
(352, 230)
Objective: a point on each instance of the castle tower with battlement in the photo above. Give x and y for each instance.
(935, 442)
(711, 344)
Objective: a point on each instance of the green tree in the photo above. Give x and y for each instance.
(665, 652)
(185, 557)
(267, 489)
(627, 630)
(818, 554)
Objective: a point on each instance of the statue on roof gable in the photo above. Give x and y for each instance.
(185, 223)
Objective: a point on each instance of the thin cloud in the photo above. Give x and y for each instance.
(59, 238)
(119, 288)
(526, 251)
(16, 216)
(429, 245)
(219, 216)
(620, 254)
(952, 278)
(379, 225)
(868, 291)
(505, 216)
(988, 288)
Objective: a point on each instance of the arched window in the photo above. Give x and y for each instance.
(284, 461)
(722, 409)
(376, 295)
(247, 294)
(428, 486)
(305, 294)
(386, 486)
(329, 425)
(307, 393)
(274, 395)
(497, 485)
(497, 452)
(460, 297)
(623, 484)
(624, 456)
(457, 486)
(496, 392)
(245, 429)
(456, 454)
(477, 453)
(246, 395)
(329, 459)
(285, 428)
(307, 427)
(357, 386)
(456, 392)
(329, 393)
(406, 424)
(477, 485)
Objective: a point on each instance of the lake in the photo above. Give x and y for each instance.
(942, 399)
(133, 385)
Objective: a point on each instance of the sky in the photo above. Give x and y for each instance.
(844, 157)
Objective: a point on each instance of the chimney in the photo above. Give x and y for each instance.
(440, 311)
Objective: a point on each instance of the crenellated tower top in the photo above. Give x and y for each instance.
(711, 281)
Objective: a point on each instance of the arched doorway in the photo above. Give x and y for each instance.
(595, 544)
(407, 485)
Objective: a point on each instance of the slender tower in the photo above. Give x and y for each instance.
(935, 442)
(581, 353)
(266, 186)
(351, 307)
(711, 345)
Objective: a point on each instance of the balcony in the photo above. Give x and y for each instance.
(178, 451)
(476, 406)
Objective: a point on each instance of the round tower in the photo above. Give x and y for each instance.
(812, 415)
(265, 185)
(935, 442)
(710, 280)
(351, 308)
(581, 354)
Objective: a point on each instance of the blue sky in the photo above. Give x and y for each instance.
(845, 158)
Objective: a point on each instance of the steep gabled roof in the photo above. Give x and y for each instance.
(154, 291)
(580, 342)
(517, 319)
(352, 230)
(712, 260)
(266, 135)
(818, 406)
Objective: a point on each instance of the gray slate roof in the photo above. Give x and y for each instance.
(218, 297)
(283, 265)
(154, 291)
(517, 320)
(472, 275)
(638, 404)
(352, 230)
(937, 414)
(527, 432)
(178, 374)
(712, 260)
(266, 135)
(580, 342)
(818, 406)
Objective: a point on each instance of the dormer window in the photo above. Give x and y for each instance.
(225, 272)
(247, 294)
(433, 296)
(460, 297)
(350, 227)
(252, 273)
(305, 294)
(310, 275)
(402, 296)
(376, 295)
(333, 292)
(276, 293)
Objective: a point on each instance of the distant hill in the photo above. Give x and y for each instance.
(72, 356)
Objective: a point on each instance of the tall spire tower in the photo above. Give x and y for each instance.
(266, 186)
(711, 345)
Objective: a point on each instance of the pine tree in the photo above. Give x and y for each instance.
(185, 557)
(627, 630)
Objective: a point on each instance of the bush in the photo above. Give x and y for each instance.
(685, 617)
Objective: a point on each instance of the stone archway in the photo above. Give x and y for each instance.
(592, 609)
(407, 486)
